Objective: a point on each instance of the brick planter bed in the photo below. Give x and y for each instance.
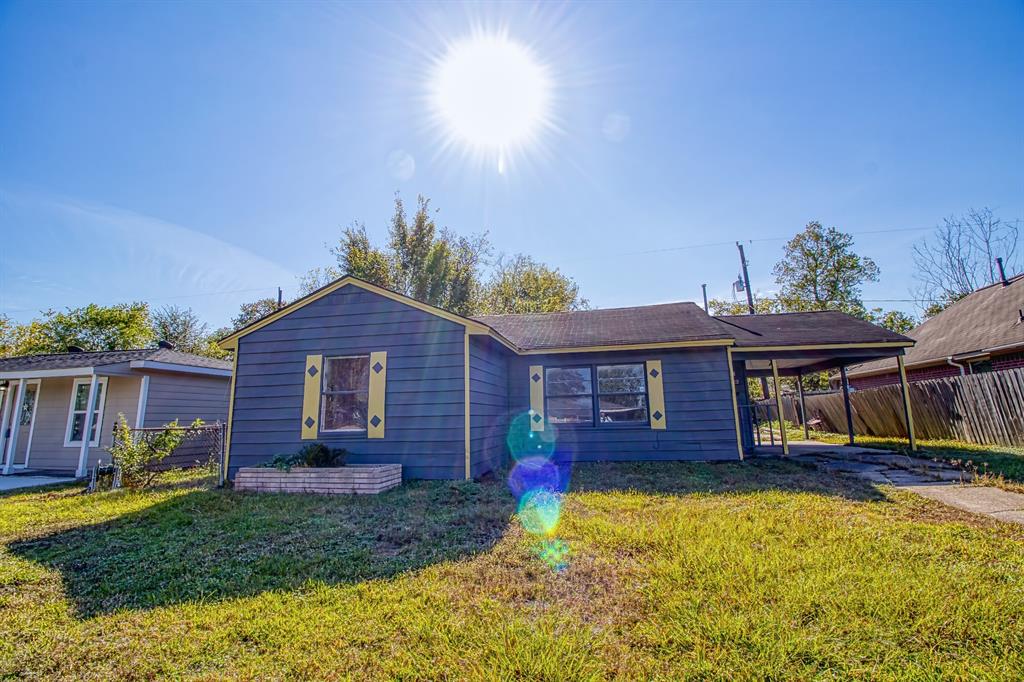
(362, 479)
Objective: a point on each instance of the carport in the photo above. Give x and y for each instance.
(772, 346)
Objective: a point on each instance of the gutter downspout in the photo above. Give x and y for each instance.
(952, 363)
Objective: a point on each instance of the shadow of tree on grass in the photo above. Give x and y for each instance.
(212, 544)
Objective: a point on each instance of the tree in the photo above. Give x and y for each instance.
(762, 305)
(961, 257)
(522, 285)
(250, 312)
(893, 320)
(183, 328)
(820, 271)
(92, 328)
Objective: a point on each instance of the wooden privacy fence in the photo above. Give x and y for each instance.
(978, 408)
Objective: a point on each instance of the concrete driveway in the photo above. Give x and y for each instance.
(28, 481)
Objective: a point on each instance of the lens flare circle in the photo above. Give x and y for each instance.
(539, 511)
(523, 441)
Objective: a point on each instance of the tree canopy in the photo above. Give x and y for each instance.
(92, 328)
(439, 267)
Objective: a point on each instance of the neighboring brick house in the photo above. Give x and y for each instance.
(982, 332)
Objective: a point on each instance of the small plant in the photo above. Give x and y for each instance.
(312, 455)
(135, 454)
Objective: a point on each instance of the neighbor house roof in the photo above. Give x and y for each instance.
(154, 358)
(825, 327)
(664, 323)
(983, 321)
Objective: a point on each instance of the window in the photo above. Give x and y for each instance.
(621, 394)
(570, 395)
(345, 394)
(77, 411)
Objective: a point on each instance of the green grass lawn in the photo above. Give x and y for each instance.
(763, 569)
(1005, 465)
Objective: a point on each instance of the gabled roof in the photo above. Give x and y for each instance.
(683, 323)
(57, 361)
(980, 322)
(814, 328)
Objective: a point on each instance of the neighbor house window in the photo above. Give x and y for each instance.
(621, 394)
(569, 392)
(346, 385)
(78, 409)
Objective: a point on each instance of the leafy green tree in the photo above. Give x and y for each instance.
(893, 320)
(182, 327)
(254, 310)
(762, 305)
(92, 327)
(522, 285)
(820, 271)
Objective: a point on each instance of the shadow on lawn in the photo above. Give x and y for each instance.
(752, 475)
(211, 544)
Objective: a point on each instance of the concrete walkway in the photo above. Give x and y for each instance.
(934, 480)
(19, 481)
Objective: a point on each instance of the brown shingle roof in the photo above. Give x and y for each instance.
(110, 357)
(986, 319)
(607, 327)
(805, 329)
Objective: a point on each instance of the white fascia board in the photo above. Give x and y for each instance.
(183, 369)
(43, 373)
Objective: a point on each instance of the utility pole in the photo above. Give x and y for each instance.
(704, 290)
(750, 306)
(280, 298)
(746, 279)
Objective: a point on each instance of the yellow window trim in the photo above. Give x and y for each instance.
(656, 394)
(376, 394)
(311, 389)
(537, 397)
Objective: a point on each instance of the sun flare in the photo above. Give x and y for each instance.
(491, 95)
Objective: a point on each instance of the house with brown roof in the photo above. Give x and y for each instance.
(982, 332)
(396, 381)
(59, 410)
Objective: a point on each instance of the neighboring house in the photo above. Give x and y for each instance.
(982, 332)
(46, 403)
(394, 380)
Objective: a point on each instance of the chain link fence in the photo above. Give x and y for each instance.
(202, 445)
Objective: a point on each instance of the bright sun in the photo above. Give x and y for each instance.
(491, 95)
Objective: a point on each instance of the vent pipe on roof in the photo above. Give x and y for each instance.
(165, 344)
(75, 349)
(1002, 273)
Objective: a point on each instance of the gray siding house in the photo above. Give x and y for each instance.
(394, 380)
(46, 402)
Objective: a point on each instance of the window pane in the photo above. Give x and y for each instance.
(76, 426)
(28, 404)
(623, 409)
(99, 396)
(347, 374)
(567, 381)
(81, 396)
(344, 411)
(571, 410)
(95, 423)
(620, 379)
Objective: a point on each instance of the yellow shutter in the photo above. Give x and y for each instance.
(378, 386)
(311, 397)
(656, 394)
(536, 397)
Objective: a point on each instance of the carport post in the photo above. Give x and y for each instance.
(778, 404)
(803, 404)
(846, 402)
(907, 412)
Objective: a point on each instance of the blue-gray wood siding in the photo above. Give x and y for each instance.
(185, 397)
(489, 406)
(424, 409)
(698, 405)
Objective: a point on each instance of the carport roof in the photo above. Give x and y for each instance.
(817, 328)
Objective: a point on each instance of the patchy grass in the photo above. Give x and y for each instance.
(995, 464)
(761, 569)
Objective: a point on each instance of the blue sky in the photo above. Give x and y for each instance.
(203, 154)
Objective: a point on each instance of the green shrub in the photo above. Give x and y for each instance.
(311, 455)
(135, 452)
